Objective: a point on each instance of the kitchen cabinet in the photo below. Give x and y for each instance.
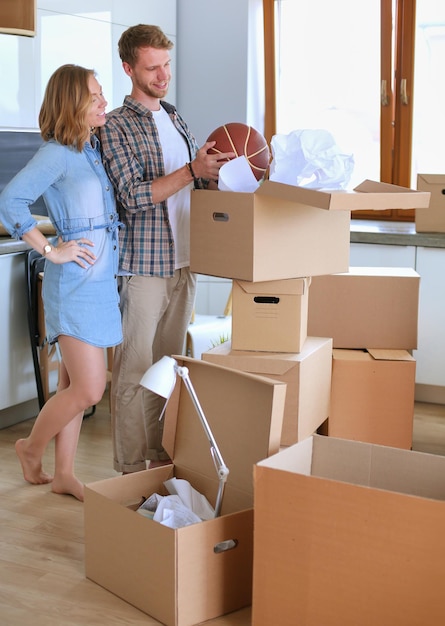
(212, 294)
(382, 255)
(430, 354)
(18, 17)
(17, 381)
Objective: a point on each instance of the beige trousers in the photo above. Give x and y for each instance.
(155, 315)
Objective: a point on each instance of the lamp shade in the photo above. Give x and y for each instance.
(160, 378)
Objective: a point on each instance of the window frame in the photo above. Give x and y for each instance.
(396, 114)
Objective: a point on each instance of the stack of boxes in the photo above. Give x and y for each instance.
(282, 245)
(354, 535)
(271, 243)
(371, 315)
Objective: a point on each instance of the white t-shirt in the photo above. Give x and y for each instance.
(175, 155)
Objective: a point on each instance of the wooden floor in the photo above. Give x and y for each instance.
(42, 579)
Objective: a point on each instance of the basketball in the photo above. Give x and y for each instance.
(243, 140)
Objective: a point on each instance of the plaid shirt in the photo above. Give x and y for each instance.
(132, 155)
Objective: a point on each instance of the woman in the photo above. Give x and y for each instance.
(79, 285)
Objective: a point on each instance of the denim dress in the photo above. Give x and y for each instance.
(79, 302)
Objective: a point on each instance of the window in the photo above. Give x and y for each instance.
(349, 67)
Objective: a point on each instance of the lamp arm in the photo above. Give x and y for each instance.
(221, 467)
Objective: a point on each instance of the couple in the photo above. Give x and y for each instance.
(135, 170)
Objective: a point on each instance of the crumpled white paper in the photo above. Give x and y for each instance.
(310, 158)
(173, 513)
(184, 505)
(190, 497)
(237, 175)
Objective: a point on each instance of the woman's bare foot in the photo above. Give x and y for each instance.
(68, 485)
(31, 467)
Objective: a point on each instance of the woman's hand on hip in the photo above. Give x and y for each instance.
(76, 250)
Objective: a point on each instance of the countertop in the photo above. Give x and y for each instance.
(362, 231)
(9, 245)
(393, 233)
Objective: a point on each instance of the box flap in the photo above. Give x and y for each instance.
(377, 466)
(290, 286)
(369, 195)
(245, 413)
(262, 363)
(381, 354)
(430, 179)
(378, 354)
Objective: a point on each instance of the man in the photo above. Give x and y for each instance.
(153, 162)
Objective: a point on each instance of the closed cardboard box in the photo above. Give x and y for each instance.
(366, 307)
(185, 576)
(270, 316)
(307, 375)
(432, 219)
(372, 396)
(349, 533)
(281, 231)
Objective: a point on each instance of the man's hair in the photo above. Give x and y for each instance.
(65, 106)
(141, 36)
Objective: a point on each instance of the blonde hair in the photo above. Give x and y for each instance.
(141, 36)
(65, 106)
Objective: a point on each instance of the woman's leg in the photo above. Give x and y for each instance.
(65, 449)
(83, 380)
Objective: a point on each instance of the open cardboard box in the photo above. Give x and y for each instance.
(283, 231)
(270, 316)
(307, 375)
(349, 533)
(366, 307)
(185, 576)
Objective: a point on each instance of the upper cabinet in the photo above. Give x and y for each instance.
(18, 17)
(85, 32)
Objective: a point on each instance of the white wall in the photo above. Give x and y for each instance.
(220, 63)
(85, 32)
(217, 58)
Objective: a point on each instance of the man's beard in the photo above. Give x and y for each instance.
(151, 92)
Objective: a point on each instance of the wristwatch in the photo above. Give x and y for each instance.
(47, 249)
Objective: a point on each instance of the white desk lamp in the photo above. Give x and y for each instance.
(160, 378)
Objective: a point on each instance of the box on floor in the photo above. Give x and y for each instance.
(180, 576)
(281, 231)
(270, 316)
(372, 396)
(348, 533)
(432, 219)
(366, 307)
(307, 375)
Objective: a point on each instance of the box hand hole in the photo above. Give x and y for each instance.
(225, 546)
(266, 300)
(220, 217)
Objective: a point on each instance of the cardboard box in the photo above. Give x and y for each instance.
(432, 219)
(366, 307)
(307, 375)
(181, 577)
(372, 396)
(270, 316)
(349, 533)
(281, 231)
